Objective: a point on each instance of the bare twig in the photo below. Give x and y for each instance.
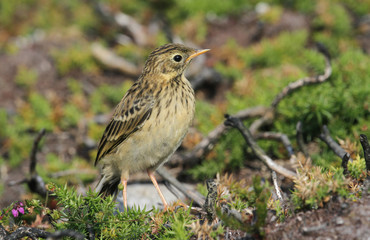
(210, 203)
(366, 147)
(35, 233)
(33, 159)
(172, 189)
(34, 182)
(279, 137)
(207, 144)
(264, 120)
(345, 159)
(325, 136)
(193, 195)
(276, 186)
(300, 141)
(21, 232)
(111, 60)
(136, 30)
(225, 210)
(237, 123)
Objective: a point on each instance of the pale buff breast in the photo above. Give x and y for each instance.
(153, 145)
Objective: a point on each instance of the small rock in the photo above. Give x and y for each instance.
(339, 221)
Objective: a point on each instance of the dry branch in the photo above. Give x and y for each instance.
(325, 136)
(210, 203)
(35, 233)
(231, 213)
(134, 29)
(279, 137)
(238, 124)
(366, 147)
(193, 195)
(276, 186)
(34, 182)
(36, 142)
(345, 160)
(111, 60)
(300, 142)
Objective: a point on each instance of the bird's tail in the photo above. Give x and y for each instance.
(107, 187)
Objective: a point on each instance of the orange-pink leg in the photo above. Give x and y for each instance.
(151, 175)
(124, 192)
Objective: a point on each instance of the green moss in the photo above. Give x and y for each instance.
(74, 86)
(12, 10)
(25, 77)
(54, 164)
(207, 116)
(19, 147)
(334, 27)
(40, 115)
(77, 57)
(95, 131)
(3, 122)
(272, 15)
(132, 53)
(77, 212)
(314, 187)
(179, 230)
(229, 71)
(324, 104)
(97, 104)
(284, 48)
(359, 7)
(357, 168)
(113, 94)
(72, 114)
(219, 7)
(228, 154)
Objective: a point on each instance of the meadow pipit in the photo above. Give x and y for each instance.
(150, 122)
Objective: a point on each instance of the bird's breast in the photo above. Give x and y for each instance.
(172, 119)
(162, 133)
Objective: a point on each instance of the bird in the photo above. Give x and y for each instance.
(150, 122)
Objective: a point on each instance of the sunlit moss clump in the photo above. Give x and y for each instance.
(357, 168)
(315, 186)
(76, 57)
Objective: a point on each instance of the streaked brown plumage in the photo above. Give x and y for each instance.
(150, 122)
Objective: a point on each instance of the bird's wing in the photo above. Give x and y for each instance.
(129, 116)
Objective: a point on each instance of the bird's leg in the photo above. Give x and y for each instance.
(124, 192)
(151, 175)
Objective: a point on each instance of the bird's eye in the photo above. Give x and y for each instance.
(177, 58)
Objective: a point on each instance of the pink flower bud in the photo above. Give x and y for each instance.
(15, 212)
(21, 210)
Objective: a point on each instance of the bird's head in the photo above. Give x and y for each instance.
(171, 59)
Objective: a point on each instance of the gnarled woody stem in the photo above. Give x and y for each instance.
(238, 124)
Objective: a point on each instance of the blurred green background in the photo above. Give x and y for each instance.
(49, 77)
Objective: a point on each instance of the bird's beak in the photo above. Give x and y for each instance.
(197, 53)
